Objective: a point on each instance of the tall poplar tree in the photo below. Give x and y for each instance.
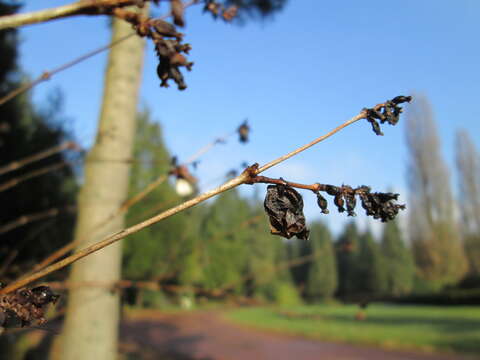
(468, 166)
(436, 245)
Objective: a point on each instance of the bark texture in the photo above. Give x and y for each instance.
(91, 325)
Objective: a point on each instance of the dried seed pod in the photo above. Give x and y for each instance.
(164, 28)
(212, 7)
(339, 202)
(230, 13)
(284, 207)
(332, 190)
(375, 127)
(401, 99)
(351, 203)
(177, 10)
(322, 203)
(243, 132)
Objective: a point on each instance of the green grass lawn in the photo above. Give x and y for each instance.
(426, 328)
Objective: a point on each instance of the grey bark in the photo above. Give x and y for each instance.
(91, 325)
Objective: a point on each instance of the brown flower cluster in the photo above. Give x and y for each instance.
(389, 112)
(378, 205)
(25, 306)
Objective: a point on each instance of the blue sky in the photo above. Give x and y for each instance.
(294, 77)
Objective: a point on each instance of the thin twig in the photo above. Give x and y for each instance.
(126, 205)
(46, 75)
(42, 171)
(156, 285)
(233, 183)
(82, 7)
(26, 219)
(12, 255)
(38, 156)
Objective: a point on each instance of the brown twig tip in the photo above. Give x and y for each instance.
(388, 112)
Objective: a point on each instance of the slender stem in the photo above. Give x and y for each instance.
(243, 178)
(266, 180)
(123, 208)
(310, 144)
(42, 171)
(26, 219)
(36, 157)
(123, 233)
(46, 75)
(83, 7)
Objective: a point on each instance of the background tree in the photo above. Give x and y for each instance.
(346, 249)
(434, 236)
(371, 279)
(468, 166)
(157, 250)
(322, 273)
(91, 327)
(26, 130)
(398, 265)
(223, 251)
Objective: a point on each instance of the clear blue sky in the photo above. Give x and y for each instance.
(295, 77)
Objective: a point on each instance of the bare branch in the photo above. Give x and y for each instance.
(82, 7)
(46, 75)
(42, 171)
(243, 178)
(129, 203)
(38, 156)
(26, 219)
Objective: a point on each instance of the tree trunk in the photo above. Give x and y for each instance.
(91, 325)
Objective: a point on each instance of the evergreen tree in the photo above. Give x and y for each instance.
(399, 266)
(346, 249)
(146, 254)
(322, 273)
(371, 275)
(223, 251)
(24, 131)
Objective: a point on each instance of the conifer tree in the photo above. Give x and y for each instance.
(399, 266)
(146, 254)
(371, 276)
(26, 130)
(223, 251)
(322, 273)
(346, 248)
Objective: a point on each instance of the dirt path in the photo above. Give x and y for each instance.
(205, 336)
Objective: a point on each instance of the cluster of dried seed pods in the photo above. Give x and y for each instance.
(389, 112)
(25, 306)
(378, 205)
(218, 10)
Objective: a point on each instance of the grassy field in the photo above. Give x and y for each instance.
(425, 328)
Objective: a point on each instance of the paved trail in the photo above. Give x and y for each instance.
(205, 336)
